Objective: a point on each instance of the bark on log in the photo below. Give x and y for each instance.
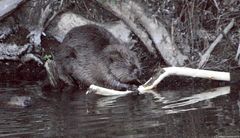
(36, 15)
(123, 11)
(12, 51)
(23, 54)
(7, 6)
(66, 21)
(143, 26)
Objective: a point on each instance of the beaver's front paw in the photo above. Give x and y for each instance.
(133, 87)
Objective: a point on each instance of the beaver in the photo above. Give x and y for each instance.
(90, 54)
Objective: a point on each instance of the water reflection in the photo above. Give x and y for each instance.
(191, 112)
(203, 96)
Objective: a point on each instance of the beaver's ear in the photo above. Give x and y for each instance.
(71, 53)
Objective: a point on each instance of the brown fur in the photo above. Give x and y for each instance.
(90, 54)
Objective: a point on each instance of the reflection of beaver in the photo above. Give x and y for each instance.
(91, 55)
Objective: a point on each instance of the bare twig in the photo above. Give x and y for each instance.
(207, 54)
(55, 13)
(44, 21)
(237, 57)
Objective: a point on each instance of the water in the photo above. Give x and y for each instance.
(181, 113)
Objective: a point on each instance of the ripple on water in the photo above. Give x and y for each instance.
(172, 113)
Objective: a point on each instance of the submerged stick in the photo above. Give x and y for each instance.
(163, 73)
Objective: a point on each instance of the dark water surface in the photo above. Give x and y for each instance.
(182, 113)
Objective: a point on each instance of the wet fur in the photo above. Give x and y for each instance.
(90, 54)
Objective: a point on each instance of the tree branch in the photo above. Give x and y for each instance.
(165, 72)
(205, 57)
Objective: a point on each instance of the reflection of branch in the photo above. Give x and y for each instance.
(107, 101)
(209, 94)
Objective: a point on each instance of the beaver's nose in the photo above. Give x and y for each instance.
(28, 102)
(137, 72)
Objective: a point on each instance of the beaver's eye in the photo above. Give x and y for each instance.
(131, 59)
(115, 56)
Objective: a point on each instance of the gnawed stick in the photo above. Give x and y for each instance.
(106, 92)
(183, 71)
(163, 73)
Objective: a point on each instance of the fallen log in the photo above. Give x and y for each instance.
(13, 52)
(8, 6)
(66, 21)
(151, 32)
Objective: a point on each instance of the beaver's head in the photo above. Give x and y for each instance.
(123, 63)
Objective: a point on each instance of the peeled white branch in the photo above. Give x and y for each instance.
(165, 72)
(183, 71)
(106, 92)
